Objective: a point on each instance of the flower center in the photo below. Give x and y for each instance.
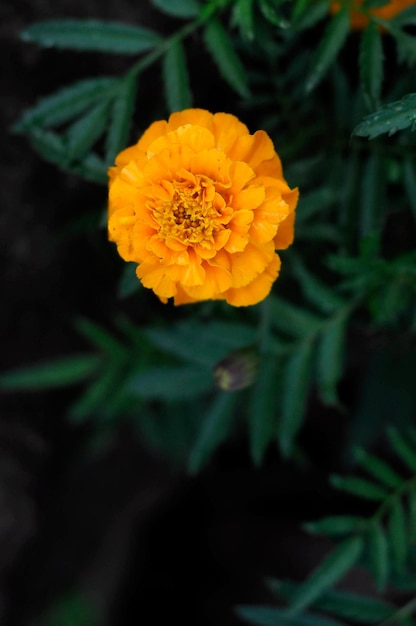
(192, 213)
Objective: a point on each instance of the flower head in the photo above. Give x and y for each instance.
(359, 19)
(201, 205)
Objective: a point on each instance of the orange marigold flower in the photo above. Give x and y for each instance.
(201, 205)
(360, 20)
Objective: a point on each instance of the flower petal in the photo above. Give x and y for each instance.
(257, 289)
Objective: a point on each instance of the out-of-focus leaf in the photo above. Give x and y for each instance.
(269, 616)
(372, 195)
(49, 145)
(398, 534)
(405, 17)
(263, 407)
(217, 41)
(94, 398)
(243, 15)
(405, 451)
(83, 134)
(295, 388)
(350, 606)
(176, 80)
(290, 319)
(129, 283)
(101, 338)
(270, 10)
(406, 45)
(330, 358)
(215, 428)
(67, 103)
(336, 525)
(91, 167)
(58, 373)
(171, 382)
(92, 35)
(331, 43)
(409, 178)
(359, 487)
(121, 116)
(319, 294)
(389, 119)
(378, 469)
(412, 514)
(378, 554)
(328, 572)
(371, 64)
(202, 343)
(306, 14)
(178, 8)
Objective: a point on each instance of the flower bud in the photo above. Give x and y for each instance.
(237, 370)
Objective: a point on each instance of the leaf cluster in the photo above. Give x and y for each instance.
(384, 543)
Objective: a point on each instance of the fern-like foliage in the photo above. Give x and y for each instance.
(383, 542)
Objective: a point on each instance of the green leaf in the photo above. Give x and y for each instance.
(176, 79)
(217, 41)
(359, 487)
(202, 343)
(319, 294)
(295, 390)
(58, 373)
(121, 116)
(306, 13)
(49, 145)
(378, 555)
(404, 451)
(389, 119)
(371, 64)
(83, 134)
(95, 397)
(372, 196)
(406, 44)
(271, 13)
(331, 43)
(101, 338)
(263, 408)
(91, 167)
(244, 16)
(129, 283)
(178, 8)
(215, 428)
(67, 103)
(378, 469)
(287, 318)
(412, 514)
(405, 17)
(335, 525)
(398, 534)
(92, 35)
(357, 608)
(409, 179)
(171, 383)
(351, 606)
(328, 572)
(330, 358)
(269, 616)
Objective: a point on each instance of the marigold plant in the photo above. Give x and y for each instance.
(201, 205)
(360, 19)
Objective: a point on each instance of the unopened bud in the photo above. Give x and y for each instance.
(237, 370)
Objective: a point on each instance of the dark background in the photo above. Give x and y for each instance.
(141, 539)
